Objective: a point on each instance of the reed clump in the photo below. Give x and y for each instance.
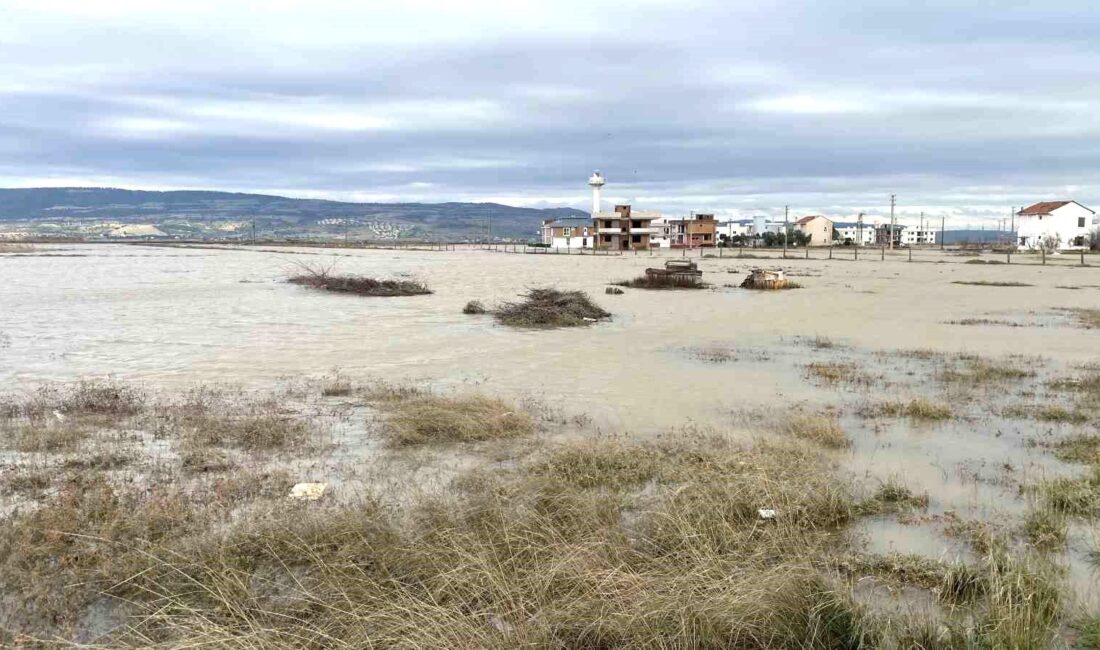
(662, 281)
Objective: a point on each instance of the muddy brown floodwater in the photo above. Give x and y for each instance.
(724, 358)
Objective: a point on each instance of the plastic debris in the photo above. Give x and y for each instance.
(59, 415)
(308, 491)
(766, 513)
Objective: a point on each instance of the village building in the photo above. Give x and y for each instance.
(854, 233)
(1055, 225)
(919, 236)
(624, 229)
(568, 232)
(888, 234)
(697, 231)
(819, 229)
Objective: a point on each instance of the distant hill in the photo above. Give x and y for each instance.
(199, 213)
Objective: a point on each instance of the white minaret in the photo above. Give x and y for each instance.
(595, 181)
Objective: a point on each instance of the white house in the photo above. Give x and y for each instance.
(916, 236)
(1054, 224)
(732, 229)
(855, 234)
(569, 232)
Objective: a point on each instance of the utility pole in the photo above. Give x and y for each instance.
(786, 228)
(1012, 226)
(893, 201)
(859, 229)
(943, 222)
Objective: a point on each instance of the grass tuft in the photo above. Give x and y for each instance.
(427, 419)
(825, 431)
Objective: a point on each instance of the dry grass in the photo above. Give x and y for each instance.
(212, 417)
(992, 283)
(600, 543)
(426, 419)
(1087, 318)
(323, 278)
(836, 372)
(661, 281)
(550, 308)
(917, 408)
(977, 370)
(825, 431)
(892, 497)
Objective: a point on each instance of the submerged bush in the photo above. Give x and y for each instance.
(474, 307)
(549, 308)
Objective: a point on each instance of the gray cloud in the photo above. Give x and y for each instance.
(962, 109)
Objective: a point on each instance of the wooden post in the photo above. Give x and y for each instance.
(807, 251)
(830, 252)
(910, 253)
(1043, 249)
(855, 252)
(884, 252)
(1008, 256)
(1082, 257)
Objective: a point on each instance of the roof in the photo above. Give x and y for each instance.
(805, 220)
(570, 221)
(1046, 207)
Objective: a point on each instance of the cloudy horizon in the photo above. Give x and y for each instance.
(962, 109)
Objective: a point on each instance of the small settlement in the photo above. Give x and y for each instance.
(1060, 225)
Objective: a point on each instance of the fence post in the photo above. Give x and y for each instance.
(910, 253)
(883, 253)
(807, 251)
(830, 252)
(855, 252)
(1044, 251)
(1082, 257)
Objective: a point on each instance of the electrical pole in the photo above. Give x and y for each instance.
(893, 200)
(786, 228)
(859, 229)
(1012, 227)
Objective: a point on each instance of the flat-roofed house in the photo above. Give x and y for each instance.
(569, 232)
(624, 229)
(1054, 224)
(697, 231)
(819, 228)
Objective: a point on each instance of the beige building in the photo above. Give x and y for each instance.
(818, 228)
(624, 229)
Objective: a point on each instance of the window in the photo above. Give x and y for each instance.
(607, 223)
(607, 239)
(1080, 222)
(586, 232)
(567, 232)
(636, 239)
(584, 242)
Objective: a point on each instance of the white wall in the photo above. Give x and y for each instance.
(1063, 223)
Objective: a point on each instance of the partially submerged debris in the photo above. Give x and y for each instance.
(614, 291)
(677, 274)
(767, 280)
(549, 308)
(358, 284)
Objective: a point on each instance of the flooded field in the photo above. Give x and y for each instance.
(969, 391)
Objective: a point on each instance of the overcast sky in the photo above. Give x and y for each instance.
(960, 107)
